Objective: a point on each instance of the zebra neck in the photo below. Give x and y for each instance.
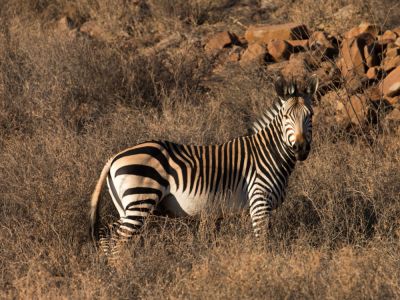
(267, 117)
(271, 146)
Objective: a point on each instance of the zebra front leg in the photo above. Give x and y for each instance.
(260, 211)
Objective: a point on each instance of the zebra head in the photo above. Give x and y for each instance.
(296, 115)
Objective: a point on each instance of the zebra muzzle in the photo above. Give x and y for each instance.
(301, 150)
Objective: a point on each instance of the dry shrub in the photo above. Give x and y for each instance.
(67, 105)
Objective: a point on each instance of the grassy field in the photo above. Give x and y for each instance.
(67, 104)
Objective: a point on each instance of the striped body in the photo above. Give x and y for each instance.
(249, 172)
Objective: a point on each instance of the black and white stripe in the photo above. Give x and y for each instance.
(182, 180)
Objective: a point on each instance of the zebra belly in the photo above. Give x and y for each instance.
(183, 204)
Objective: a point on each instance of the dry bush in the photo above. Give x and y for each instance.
(67, 105)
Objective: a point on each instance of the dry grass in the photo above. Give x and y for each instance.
(67, 105)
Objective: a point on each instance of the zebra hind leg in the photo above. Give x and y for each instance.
(106, 237)
(131, 224)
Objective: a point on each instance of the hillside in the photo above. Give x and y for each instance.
(81, 80)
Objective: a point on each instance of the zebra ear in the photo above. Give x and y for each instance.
(280, 87)
(292, 89)
(312, 85)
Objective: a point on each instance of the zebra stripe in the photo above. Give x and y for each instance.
(182, 180)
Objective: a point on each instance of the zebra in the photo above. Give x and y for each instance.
(181, 180)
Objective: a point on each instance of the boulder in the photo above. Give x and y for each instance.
(266, 33)
(391, 84)
(354, 110)
(389, 35)
(279, 50)
(298, 45)
(390, 63)
(394, 101)
(372, 54)
(353, 54)
(235, 54)
(254, 53)
(65, 27)
(375, 73)
(364, 27)
(297, 66)
(219, 41)
(392, 119)
(392, 52)
(374, 93)
(319, 41)
(94, 30)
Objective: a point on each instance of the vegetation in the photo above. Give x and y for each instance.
(67, 104)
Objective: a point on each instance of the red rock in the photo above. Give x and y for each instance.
(375, 73)
(353, 56)
(394, 101)
(396, 31)
(254, 52)
(296, 66)
(392, 52)
(362, 28)
(392, 119)
(219, 41)
(235, 54)
(319, 39)
(374, 93)
(389, 35)
(391, 63)
(94, 30)
(279, 49)
(391, 84)
(354, 110)
(266, 33)
(298, 43)
(372, 54)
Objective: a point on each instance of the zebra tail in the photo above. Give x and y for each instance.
(94, 210)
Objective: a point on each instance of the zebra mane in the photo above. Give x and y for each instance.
(266, 118)
(283, 89)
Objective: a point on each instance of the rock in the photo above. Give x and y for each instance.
(297, 67)
(65, 27)
(65, 24)
(394, 90)
(219, 41)
(266, 33)
(352, 64)
(235, 54)
(391, 84)
(397, 42)
(374, 93)
(319, 42)
(354, 110)
(254, 53)
(372, 54)
(364, 27)
(298, 45)
(327, 74)
(389, 35)
(392, 52)
(392, 119)
(394, 115)
(391, 63)
(375, 73)
(94, 30)
(394, 101)
(279, 50)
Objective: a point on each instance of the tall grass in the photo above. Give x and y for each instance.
(66, 105)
